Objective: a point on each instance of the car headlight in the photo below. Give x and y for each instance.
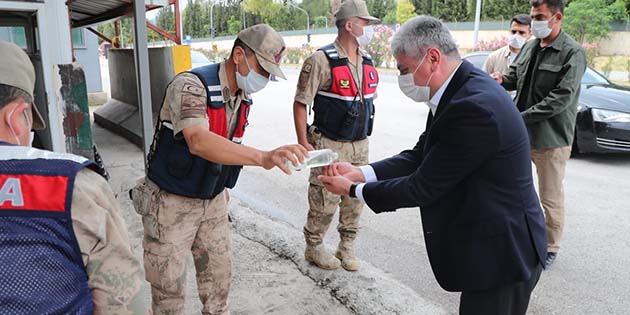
(610, 116)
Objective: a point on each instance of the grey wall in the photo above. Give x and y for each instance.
(88, 57)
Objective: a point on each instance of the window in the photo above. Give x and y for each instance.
(14, 34)
(78, 38)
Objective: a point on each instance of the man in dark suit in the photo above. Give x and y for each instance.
(469, 173)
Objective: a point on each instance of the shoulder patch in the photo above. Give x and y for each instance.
(307, 68)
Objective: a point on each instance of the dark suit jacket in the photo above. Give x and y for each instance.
(470, 173)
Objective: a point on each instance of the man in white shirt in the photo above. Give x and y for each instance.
(520, 32)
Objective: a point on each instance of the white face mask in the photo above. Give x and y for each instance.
(541, 29)
(252, 82)
(517, 41)
(410, 89)
(368, 33)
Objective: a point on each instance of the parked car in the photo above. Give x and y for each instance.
(603, 118)
(198, 59)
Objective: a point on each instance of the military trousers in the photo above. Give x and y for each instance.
(175, 226)
(322, 203)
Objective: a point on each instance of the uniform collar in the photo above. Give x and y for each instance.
(557, 43)
(342, 51)
(226, 93)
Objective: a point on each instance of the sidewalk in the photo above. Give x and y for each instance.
(270, 275)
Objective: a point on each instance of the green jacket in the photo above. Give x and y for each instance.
(548, 102)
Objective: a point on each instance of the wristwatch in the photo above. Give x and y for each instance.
(353, 190)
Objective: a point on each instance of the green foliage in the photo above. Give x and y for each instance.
(234, 25)
(381, 8)
(589, 20)
(405, 11)
(125, 29)
(320, 21)
(390, 18)
(379, 46)
(166, 19)
(423, 6)
(450, 10)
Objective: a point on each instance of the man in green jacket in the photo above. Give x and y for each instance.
(546, 76)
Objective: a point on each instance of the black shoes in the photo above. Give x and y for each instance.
(551, 257)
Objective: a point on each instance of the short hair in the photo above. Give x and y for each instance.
(239, 43)
(10, 93)
(553, 5)
(416, 36)
(523, 19)
(340, 23)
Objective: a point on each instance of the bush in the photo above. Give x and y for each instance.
(592, 51)
(379, 46)
(493, 44)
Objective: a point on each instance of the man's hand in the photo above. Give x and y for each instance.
(347, 170)
(335, 183)
(278, 157)
(497, 76)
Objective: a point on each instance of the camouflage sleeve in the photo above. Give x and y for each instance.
(314, 76)
(116, 277)
(187, 102)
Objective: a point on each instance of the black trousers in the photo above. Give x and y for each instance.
(511, 299)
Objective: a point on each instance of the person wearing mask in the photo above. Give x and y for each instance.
(547, 78)
(469, 173)
(64, 247)
(195, 157)
(339, 81)
(520, 33)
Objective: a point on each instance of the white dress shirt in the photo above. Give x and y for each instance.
(368, 171)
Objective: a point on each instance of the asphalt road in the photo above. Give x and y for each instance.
(590, 276)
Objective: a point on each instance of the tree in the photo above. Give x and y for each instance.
(405, 11)
(589, 20)
(450, 10)
(165, 19)
(423, 6)
(380, 8)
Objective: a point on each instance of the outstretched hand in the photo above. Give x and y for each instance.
(334, 182)
(346, 170)
(294, 153)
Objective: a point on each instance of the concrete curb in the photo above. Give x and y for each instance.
(368, 291)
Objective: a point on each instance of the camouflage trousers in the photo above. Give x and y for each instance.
(322, 203)
(173, 227)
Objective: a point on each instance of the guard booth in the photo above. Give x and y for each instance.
(43, 29)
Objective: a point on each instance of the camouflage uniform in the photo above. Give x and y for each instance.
(315, 76)
(114, 273)
(174, 225)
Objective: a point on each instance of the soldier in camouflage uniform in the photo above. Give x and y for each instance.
(49, 264)
(195, 156)
(340, 80)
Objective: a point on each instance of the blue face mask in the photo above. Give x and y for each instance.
(252, 82)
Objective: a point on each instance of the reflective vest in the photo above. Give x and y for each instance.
(339, 112)
(171, 165)
(41, 269)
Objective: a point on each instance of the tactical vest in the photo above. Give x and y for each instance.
(41, 269)
(171, 165)
(339, 112)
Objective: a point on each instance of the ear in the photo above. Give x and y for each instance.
(559, 16)
(434, 57)
(239, 54)
(16, 119)
(348, 26)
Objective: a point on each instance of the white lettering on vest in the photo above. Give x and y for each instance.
(12, 192)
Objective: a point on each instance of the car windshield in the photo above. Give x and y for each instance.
(593, 78)
(197, 57)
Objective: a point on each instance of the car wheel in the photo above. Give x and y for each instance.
(575, 150)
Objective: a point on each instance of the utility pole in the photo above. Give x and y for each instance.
(308, 21)
(477, 19)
